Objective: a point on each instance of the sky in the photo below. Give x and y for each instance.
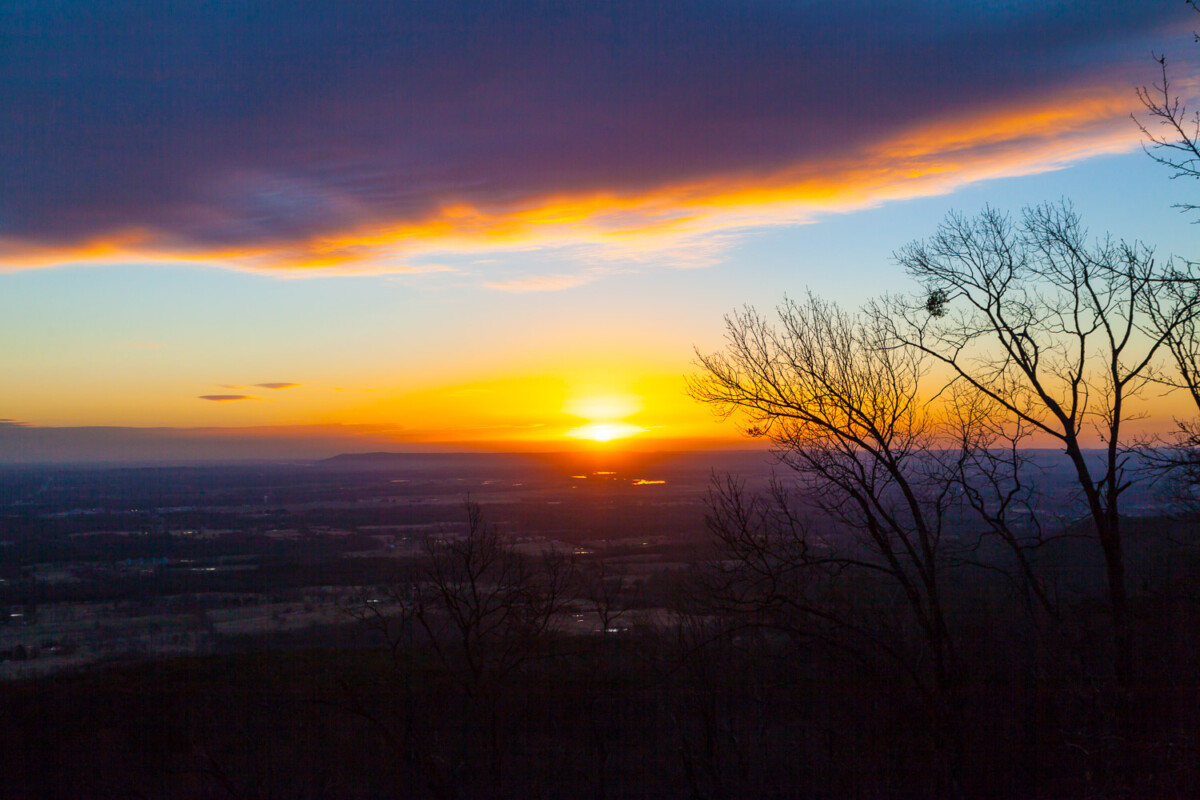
(291, 229)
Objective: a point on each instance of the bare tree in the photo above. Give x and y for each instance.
(847, 413)
(1171, 136)
(1059, 336)
(907, 423)
(773, 571)
(603, 590)
(484, 611)
(486, 607)
(844, 410)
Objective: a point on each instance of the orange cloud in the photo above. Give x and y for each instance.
(687, 223)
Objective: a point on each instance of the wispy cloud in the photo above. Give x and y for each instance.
(226, 398)
(539, 283)
(270, 385)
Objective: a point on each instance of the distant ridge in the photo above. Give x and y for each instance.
(384, 458)
(424, 462)
(381, 455)
(530, 463)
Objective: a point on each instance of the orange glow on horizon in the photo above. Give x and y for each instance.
(604, 407)
(578, 407)
(607, 414)
(605, 431)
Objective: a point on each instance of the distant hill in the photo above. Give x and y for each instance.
(389, 460)
(578, 459)
(378, 458)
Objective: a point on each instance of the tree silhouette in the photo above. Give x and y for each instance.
(904, 419)
(844, 411)
(1061, 336)
(1171, 136)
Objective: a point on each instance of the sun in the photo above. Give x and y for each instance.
(605, 431)
(605, 414)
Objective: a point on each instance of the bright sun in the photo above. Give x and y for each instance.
(605, 414)
(605, 431)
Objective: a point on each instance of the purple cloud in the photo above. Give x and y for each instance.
(283, 131)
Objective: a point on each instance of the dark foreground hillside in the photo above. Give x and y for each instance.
(699, 709)
(590, 634)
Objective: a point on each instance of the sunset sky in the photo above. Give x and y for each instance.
(448, 225)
